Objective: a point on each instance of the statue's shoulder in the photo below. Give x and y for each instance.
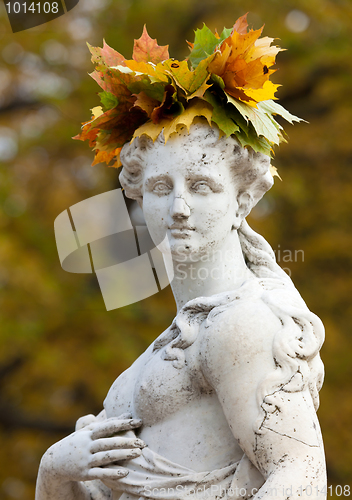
(249, 317)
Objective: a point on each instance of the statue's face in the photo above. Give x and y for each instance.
(189, 196)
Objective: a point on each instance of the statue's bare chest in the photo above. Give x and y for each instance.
(162, 389)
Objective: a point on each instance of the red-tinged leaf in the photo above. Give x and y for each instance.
(115, 117)
(87, 134)
(146, 49)
(114, 81)
(106, 55)
(241, 25)
(125, 125)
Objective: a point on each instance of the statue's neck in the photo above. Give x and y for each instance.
(219, 271)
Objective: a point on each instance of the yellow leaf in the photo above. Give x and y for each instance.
(263, 94)
(152, 130)
(156, 71)
(262, 47)
(192, 82)
(274, 172)
(97, 111)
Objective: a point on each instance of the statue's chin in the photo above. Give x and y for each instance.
(186, 252)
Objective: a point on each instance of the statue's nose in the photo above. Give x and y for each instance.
(179, 208)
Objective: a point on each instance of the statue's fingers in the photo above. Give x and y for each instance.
(111, 456)
(114, 425)
(116, 443)
(85, 421)
(125, 416)
(106, 473)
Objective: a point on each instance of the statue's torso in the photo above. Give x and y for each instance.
(182, 417)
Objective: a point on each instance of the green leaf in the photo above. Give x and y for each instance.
(226, 32)
(205, 43)
(221, 115)
(153, 90)
(263, 123)
(251, 139)
(108, 100)
(218, 81)
(273, 108)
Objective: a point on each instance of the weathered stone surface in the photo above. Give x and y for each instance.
(223, 403)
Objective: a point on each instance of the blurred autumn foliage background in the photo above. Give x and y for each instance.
(60, 349)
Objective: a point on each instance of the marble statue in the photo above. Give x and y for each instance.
(223, 403)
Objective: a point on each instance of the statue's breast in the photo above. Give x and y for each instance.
(163, 389)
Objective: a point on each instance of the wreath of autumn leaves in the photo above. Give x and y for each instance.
(225, 79)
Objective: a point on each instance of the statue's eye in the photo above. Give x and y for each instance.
(201, 187)
(161, 188)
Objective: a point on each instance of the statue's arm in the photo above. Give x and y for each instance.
(282, 439)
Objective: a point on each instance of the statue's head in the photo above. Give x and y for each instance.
(196, 188)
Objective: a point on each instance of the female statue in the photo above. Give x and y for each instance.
(223, 403)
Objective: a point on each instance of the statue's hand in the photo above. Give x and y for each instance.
(93, 451)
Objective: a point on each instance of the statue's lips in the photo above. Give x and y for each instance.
(179, 231)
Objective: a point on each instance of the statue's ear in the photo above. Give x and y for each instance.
(245, 204)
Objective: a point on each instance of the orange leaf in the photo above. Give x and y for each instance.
(103, 157)
(87, 134)
(146, 49)
(145, 103)
(217, 66)
(241, 25)
(240, 44)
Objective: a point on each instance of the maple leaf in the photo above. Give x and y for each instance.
(274, 172)
(145, 49)
(255, 96)
(108, 100)
(205, 44)
(103, 157)
(197, 109)
(243, 62)
(241, 25)
(87, 134)
(155, 72)
(146, 103)
(153, 90)
(263, 123)
(166, 105)
(221, 115)
(273, 108)
(262, 48)
(106, 55)
(192, 82)
(120, 122)
(252, 140)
